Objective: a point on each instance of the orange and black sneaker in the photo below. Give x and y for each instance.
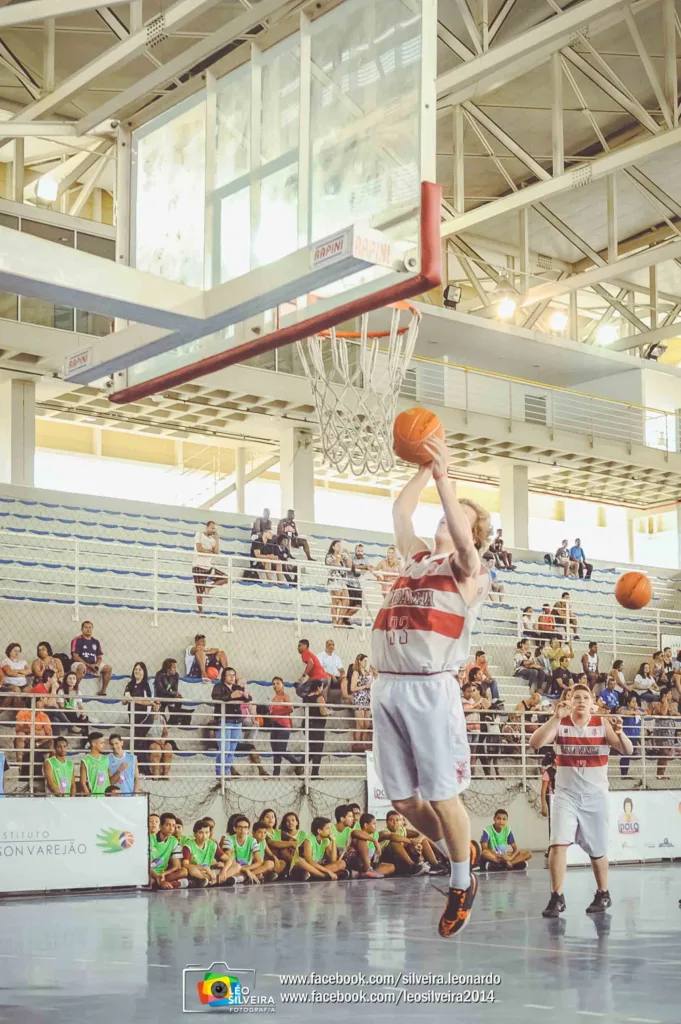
(458, 910)
(476, 854)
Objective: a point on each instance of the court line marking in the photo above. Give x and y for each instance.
(589, 1013)
(641, 1020)
(537, 1006)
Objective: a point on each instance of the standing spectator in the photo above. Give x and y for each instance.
(486, 682)
(41, 727)
(472, 703)
(199, 659)
(123, 764)
(263, 524)
(94, 768)
(70, 702)
(360, 679)
(388, 569)
(228, 695)
(526, 667)
(60, 779)
(287, 528)
(313, 671)
(502, 557)
(205, 574)
(137, 694)
(317, 713)
(45, 659)
(566, 620)
(562, 558)
(590, 665)
(15, 667)
(546, 623)
(631, 727)
(358, 566)
(280, 726)
(167, 689)
(87, 657)
(3, 766)
(160, 747)
(644, 686)
(577, 555)
(340, 565)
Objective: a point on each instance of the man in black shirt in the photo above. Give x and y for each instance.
(316, 715)
(261, 525)
(561, 678)
(228, 695)
(287, 528)
(267, 557)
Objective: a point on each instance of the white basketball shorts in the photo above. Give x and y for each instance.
(420, 742)
(582, 819)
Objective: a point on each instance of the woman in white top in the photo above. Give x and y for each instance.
(206, 576)
(388, 569)
(15, 667)
(340, 564)
(644, 685)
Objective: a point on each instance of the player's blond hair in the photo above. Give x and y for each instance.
(482, 524)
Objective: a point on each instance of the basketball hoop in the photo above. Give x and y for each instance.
(355, 386)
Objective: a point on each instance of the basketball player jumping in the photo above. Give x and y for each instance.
(579, 811)
(420, 638)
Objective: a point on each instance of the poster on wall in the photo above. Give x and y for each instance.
(377, 801)
(48, 844)
(672, 640)
(644, 825)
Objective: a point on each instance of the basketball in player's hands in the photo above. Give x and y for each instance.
(633, 590)
(411, 428)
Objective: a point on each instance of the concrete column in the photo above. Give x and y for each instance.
(631, 515)
(678, 534)
(17, 432)
(240, 479)
(297, 472)
(513, 495)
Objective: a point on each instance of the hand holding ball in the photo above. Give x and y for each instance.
(633, 590)
(411, 428)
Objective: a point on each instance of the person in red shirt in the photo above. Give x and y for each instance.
(546, 623)
(314, 670)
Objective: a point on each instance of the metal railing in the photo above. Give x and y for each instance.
(199, 743)
(81, 574)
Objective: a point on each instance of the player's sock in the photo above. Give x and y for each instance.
(460, 874)
(442, 847)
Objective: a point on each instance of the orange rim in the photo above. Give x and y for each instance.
(351, 335)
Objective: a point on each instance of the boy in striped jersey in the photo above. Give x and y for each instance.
(420, 639)
(579, 811)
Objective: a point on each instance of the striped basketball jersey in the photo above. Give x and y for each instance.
(425, 625)
(581, 755)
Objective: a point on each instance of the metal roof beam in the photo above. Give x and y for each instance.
(36, 10)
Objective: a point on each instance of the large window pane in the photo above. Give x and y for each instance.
(235, 257)
(233, 127)
(280, 102)
(277, 232)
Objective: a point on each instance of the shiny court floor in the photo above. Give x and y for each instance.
(121, 958)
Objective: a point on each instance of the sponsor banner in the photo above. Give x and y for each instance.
(377, 801)
(643, 825)
(77, 361)
(47, 843)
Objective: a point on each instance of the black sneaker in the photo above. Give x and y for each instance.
(476, 854)
(457, 913)
(555, 906)
(600, 902)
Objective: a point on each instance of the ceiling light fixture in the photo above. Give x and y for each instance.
(558, 321)
(505, 298)
(607, 334)
(47, 189)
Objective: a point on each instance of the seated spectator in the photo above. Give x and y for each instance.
(527, 708)
(263, 524)
(15, 668)
(546, 623)
(276, 847)
(166, 867)
(499, 849)
(590, 665)
(206, 863)
(123, 766)
(631, 727)
(543, 659)
(526, 667)
(566, 620)
(313, 671)
(388, 569)
(494, 586)
(558, 650)
(339, 565)
(577, 555)
(659, 670)
(617, 673)
(60, 778)
(644, 687)
(364, 854)
(609, 697)
(41, 727)
(167, 689)
(562, 560)
(529, 625)
(332, 664)
(668, 663)
(488, 685)
(342, 829)
(112, 791)
(200, 659)
(561, 679)
(266, 870)
(502, 557)
(317, 856)
(94, 768)
(291, 837)
(662, 742)
(246, 852)
(45, 659)
(87, 657)
(409, 851)
(159, 746)
(70, 702)
(267, 556)
(287, 528)
(280, 726)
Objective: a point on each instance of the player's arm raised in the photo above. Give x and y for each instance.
(467, 557)
(403, 510)
(546, 734)
(614, 735)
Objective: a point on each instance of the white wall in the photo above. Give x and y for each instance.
(625, 387)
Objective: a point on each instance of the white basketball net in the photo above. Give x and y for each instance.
(355, 383)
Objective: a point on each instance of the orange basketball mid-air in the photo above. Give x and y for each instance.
(411, 428)
(633, 590)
